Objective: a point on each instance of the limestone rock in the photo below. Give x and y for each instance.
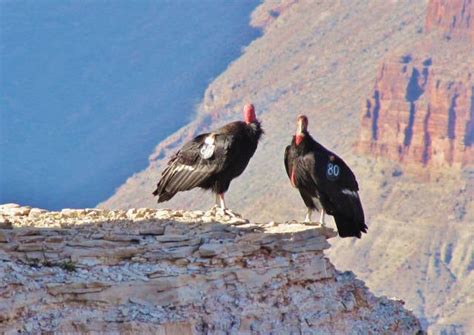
(187, 273)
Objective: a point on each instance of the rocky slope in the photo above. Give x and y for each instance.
(421, 111)
(178, 272)
(419, 244)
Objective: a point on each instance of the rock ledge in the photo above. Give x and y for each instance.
(178, 272)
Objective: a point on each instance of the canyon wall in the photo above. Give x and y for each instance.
(416, 116)
(454, 18)
(421, 110)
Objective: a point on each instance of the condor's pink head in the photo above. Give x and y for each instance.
(301, 128)
(249, 114)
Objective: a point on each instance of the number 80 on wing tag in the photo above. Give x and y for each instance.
(333, 171)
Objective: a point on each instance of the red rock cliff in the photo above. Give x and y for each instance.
(421, 110)
(453, 17)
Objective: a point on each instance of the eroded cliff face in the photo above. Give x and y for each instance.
(416, 115)
(178, 272)
(421, 110)
(454, 18)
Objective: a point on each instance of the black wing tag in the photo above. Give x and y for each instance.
(207, 150)
(333, 171)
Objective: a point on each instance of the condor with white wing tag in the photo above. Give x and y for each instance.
(212, 160)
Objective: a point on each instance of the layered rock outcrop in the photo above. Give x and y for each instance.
(416, 116)
(177, 272)
(454, 18)
(421, 110)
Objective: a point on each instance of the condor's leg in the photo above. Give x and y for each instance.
(213, 210)
(321, 218)
(220, 207)
(223, 208)
(221, 201)
(310, 205)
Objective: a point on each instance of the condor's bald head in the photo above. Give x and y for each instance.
(249, 113)
(301, 128)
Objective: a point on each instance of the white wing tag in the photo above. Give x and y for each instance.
(207, 150)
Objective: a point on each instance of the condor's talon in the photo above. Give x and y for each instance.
(233, 214)
(228, 212)
(220, 211)
(309, 222)
(213, 210)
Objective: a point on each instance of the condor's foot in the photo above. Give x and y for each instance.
(221, 208)
(226, 215)
(309, 222)
(226, 211)
(213, 209)
(218, 210)
(307, 219)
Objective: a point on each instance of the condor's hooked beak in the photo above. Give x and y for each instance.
(301, 126)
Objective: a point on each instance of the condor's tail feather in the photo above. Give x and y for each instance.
(348, 227)
(351, 223)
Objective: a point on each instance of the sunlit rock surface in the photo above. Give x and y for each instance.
(178, 272)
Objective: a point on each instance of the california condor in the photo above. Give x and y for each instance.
(212, 160)
(324, 181)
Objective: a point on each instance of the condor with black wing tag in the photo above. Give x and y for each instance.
(325, 182)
